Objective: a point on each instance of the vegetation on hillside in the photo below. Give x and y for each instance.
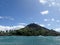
(30, 30)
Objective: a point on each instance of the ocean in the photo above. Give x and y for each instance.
(29, 40)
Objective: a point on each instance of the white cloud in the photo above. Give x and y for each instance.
(50, 3)
(45, 19)
(36, 22)
(18, 26)
(57, 29)
(4, 28)
(42, 25)
(52, 19)
(57, 20)
(54, 4)
(43, 1)
(9, 18)
(58, 4)
(1, 17)
(22, 24)
(49, 24)
(6, 17)
(44, 12)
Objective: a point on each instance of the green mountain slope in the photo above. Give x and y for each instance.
(35, 30)
(31, 30)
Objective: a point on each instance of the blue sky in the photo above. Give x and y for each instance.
(21, 12)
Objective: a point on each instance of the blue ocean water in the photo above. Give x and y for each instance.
(29, 40)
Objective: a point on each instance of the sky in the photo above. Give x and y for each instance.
(15, 14)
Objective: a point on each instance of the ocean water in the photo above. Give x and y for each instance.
(29, 40)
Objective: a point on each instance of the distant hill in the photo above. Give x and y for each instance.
(35, 30)
(31, 30)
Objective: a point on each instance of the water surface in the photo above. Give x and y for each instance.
(29, 40)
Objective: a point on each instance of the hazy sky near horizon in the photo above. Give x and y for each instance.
(21, 12)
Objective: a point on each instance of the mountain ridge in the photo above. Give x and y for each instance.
(36, 29)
